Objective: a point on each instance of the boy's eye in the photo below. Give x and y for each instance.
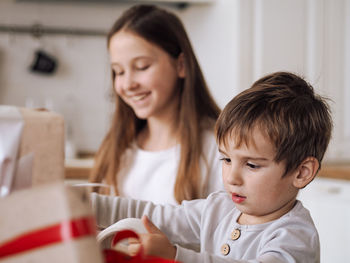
(226, 160)
(253, 166)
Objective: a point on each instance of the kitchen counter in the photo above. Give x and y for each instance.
(335, 170)
(79, 169)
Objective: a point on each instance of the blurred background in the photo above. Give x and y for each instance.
(236, 41)
(53, 55)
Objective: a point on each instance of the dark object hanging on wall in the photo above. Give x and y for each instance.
(43, 63)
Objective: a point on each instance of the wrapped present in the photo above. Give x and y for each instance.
(31, 148)
(43, 136)
(48, 223)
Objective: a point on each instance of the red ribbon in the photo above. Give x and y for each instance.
(113, 256)
(61, 232)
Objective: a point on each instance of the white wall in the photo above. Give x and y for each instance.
(79, 89)
(236, 42)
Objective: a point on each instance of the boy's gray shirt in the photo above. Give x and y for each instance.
(208, 224)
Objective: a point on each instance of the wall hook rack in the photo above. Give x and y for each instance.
(38, 30)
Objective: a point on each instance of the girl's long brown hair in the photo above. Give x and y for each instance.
(197, 109)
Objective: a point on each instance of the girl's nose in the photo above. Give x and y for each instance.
(129, 82)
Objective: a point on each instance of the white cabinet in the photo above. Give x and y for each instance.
(329, 203)
(308, 37)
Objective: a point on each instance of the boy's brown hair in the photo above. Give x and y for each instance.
(286, 109)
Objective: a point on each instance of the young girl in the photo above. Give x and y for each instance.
(161, 144)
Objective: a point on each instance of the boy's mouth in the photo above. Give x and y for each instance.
(236, 198)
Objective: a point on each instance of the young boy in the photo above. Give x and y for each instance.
(272, 138)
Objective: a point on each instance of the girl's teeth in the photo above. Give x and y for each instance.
(140, 97)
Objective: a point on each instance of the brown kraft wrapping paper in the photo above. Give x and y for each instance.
(37, 208)
(43, 136)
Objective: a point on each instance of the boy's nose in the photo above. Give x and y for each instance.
(234, 176)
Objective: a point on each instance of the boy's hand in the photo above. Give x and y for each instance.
(154, 243)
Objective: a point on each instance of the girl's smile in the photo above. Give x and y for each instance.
(139, 100)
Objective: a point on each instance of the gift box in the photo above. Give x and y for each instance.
(31, 148)
(48, 223)
(43, 136)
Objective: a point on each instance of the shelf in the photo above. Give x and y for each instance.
(176, 3)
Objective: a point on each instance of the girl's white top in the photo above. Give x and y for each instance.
(151, 175)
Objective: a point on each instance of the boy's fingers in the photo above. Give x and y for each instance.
(150, 227)
(132, 240)
(133, 249)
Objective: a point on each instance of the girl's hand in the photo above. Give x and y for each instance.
(154, 243)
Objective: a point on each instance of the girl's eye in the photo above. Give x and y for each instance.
(143, 67)
(253, 166)
(119, 73)
(226, 160)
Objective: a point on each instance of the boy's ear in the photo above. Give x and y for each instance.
(181, 72)
(306, 172)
